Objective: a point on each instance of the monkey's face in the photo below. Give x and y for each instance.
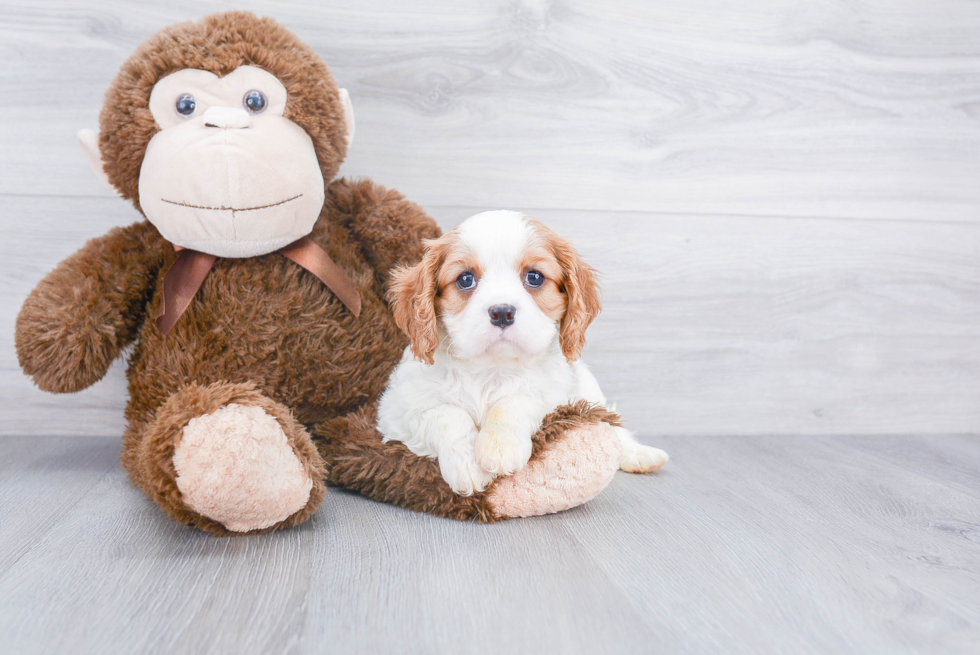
(227, 173)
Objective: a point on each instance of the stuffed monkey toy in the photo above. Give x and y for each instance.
(253, 292)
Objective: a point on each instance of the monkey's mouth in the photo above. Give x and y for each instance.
(231, 209)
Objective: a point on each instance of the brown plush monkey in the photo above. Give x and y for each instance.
(254, 292)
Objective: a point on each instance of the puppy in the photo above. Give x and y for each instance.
(496, 312)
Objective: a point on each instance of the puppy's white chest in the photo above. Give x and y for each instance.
(479, 391)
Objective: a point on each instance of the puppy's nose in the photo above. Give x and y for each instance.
(502, 315)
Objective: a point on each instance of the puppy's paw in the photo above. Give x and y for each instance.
(460, 470)
(638, 458)
(500, 451)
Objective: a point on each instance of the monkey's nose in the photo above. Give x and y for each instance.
(227, 118)
(502, 315)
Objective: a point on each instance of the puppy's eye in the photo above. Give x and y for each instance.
(533, 279)
(254, 101)
(185, 105)
(466, 281)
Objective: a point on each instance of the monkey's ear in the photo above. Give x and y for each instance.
(90, 144)
(348, 115)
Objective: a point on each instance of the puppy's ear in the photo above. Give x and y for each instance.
(581, 286)
(413, 295)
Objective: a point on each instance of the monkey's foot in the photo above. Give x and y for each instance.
(566, 473)
(226, 459)
(236, 466)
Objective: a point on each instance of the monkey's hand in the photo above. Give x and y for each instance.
(85, 311)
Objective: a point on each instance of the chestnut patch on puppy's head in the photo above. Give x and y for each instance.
(539, 256)
(422, 293)
(569, 279)
(458, 259)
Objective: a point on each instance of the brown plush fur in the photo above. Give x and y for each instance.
(150, 457)
(260, 331)
(81, 316)
(358, 460)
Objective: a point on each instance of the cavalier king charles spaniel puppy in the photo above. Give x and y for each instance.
(496, 312)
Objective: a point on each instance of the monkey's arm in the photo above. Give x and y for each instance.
(389, 228)
(85, 311)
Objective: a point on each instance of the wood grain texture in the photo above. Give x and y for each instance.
(834, 108)
(712, 325)
(782, 195)
(741, 545)
(697, 117)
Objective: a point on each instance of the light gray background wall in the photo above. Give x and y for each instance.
(783, 195)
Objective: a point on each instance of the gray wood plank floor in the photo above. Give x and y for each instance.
(742, 545)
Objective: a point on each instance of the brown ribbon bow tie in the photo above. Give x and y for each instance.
(187, 275)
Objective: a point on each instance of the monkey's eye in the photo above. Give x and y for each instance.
(186, 105)
(466, 281)
(254, 101)
(533, 279)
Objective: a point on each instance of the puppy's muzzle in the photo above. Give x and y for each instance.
(502, 315)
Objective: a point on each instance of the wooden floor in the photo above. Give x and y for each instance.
(742, 545)
(783, 197)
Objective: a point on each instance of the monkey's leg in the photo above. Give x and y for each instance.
(226, 459)
(576, 453)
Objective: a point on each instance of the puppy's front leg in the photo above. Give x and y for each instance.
(504, 443)
(449, 433)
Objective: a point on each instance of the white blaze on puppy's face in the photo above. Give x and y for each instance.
(500, 248)
(227, 173)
